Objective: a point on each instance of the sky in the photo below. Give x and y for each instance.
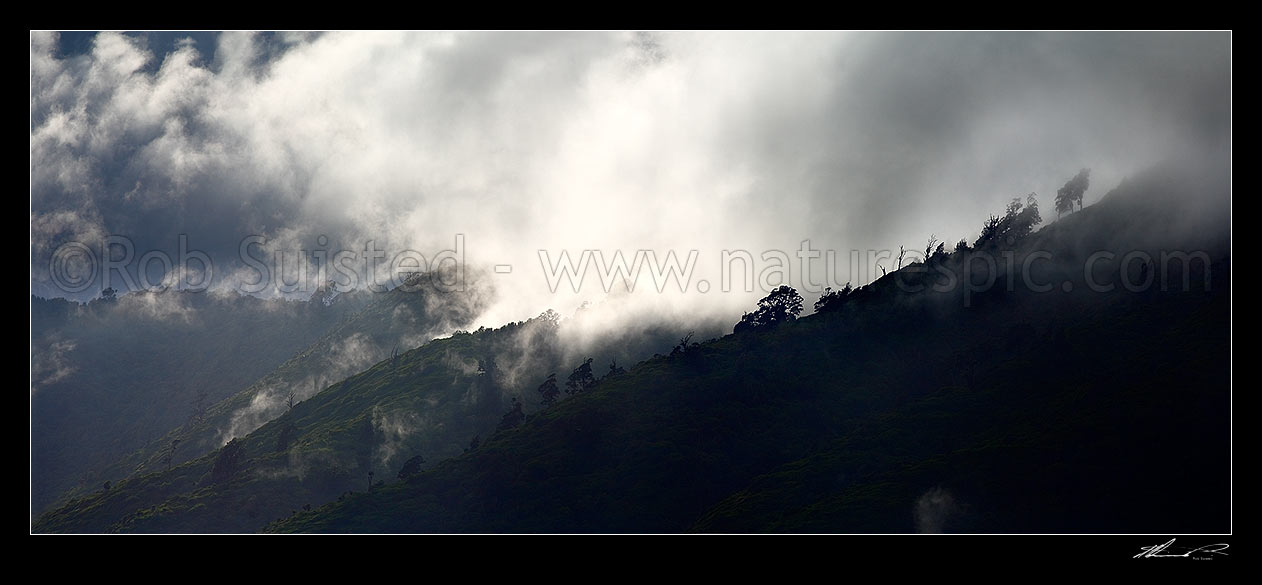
(507, 148)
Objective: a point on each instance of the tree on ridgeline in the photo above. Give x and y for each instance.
(1017, 222)
(783, 304)
(682, 346)
(614, 370)
(1072, 193)
(935, 251)
(832, 300)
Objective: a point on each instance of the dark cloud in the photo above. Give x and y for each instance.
(527, 141)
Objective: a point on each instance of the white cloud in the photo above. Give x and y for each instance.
(528, 141)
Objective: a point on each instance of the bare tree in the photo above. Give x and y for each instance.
(683, 345)
(615, 369)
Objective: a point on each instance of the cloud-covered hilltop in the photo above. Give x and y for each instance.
(572, 141)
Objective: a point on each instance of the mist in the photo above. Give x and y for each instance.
(603, 142)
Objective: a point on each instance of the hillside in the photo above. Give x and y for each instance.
(376, 325)
(1016, 411)
(426, 401)
(430, 401)
(901, 409)
(107, 377)
(805, 430)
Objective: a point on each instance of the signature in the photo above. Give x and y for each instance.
(1160, 550)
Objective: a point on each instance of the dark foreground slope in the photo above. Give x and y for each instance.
(998, 410)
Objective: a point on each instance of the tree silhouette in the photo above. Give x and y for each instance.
(615, 369)
(411, 467)
(1072, 192)
(990, 230)
(581, 378)
(1063, 204)
(935, 250)
(682, 347)
(1024, 220)
(1017, 222)
(783, 304)
(548, 389)
(832, 300)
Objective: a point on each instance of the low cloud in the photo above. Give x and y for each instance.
(266, 404)
(935, 509)
(594, 141)
(395, 428)
(52, 363)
